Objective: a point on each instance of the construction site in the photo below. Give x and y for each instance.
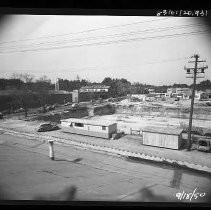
(122, 119)
(132, 116)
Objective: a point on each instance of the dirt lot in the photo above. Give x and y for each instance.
(131, 115)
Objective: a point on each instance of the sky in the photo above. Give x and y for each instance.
(151, 50)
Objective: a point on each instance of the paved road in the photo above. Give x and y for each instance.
(26, 172)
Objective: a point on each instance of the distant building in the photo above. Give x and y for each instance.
(75, 96)
(59, 92)
(183, 93)
(57, 84)
(201, 95)
(151, 90)
(91, 92)
(94, 88)
(208, 91)
(142, 97)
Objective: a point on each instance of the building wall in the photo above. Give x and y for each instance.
(87, 96)
(85, 132)
(75, 97)
(105, 130)
(162, 140)
(140, 96)
(112, 128)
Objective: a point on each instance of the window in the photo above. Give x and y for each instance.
(71, 125)
(79, 124)
(104, 128)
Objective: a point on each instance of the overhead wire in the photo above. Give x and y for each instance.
(114, 41)
(85, 31)
(160, 29)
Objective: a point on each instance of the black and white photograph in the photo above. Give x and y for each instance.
(106, 108)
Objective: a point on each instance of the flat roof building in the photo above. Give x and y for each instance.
(162, 137)
(103, 129)
(95, 88)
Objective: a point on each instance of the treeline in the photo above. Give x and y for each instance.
(118, 87)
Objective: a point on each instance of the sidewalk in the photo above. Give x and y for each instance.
(126, 146)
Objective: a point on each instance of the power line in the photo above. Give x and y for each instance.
(160, 29)
(194, 71)
(114, 41)
(85, 31)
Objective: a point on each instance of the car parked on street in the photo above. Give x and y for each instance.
(1, 116)
(204, 145)
(47, 127)
(19, 110)
(75, 105)
(67, 104)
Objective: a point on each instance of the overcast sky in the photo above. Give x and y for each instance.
(137, 48)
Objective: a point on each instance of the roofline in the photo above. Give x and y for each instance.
(88, 122)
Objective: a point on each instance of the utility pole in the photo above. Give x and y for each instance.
(194, 71)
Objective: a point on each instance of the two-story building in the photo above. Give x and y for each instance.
(91, 92)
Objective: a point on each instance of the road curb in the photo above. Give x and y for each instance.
(108, 150)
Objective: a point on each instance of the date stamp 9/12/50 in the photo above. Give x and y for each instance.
(190, 196)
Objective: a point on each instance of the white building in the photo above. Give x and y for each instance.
(200, 95)
(183, 93)
(162, 137)
(94, 128)
(95, 88)
(142, 97)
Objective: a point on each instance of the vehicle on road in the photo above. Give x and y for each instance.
(50, 108)
(47, 127)
(204, 145)
(67, 104)
(1, 116)
(19, 110)
(75, 105)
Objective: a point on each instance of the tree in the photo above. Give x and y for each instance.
(10, 84)
(26, 78)
(44, 79)
(41, 87)
(26, 89)
(206, 84)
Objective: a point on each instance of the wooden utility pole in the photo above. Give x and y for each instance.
(194, 71)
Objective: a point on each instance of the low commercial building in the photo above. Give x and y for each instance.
(142, 97)
(87, 127)
(162, 137)
(201, 95)
(95, 88)
(183, 93)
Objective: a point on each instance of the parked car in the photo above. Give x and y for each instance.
(67, 104)
(1, 116)
(49, 108)
(208, 103)
(42, 110)
(47, 127)
(19, 110)
(7, 111)
(75, 105)
(203, 145)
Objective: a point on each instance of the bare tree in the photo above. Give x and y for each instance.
(44, 79)
(27, 78)
(25, 89)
